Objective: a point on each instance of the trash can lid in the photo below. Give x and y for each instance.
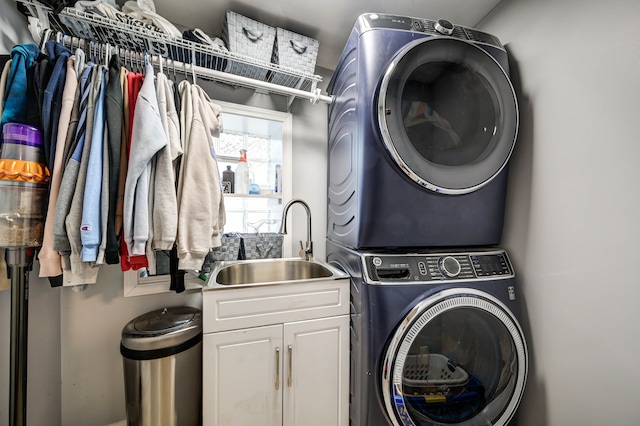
(162, 328)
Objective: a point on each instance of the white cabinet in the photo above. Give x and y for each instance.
(316, 368)
(242, 377)
(277, 355)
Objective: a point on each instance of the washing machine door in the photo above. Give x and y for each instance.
(448, 114)
(459, 358)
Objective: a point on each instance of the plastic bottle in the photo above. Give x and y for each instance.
(278, 180)
(228, 180)
(241, 185)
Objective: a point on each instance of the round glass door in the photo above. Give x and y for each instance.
(448, 114)
(458, 358)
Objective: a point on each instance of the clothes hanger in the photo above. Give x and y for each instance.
(184, 69)
(173, 66)
(193, 66)
(43, 40)
(107, 51)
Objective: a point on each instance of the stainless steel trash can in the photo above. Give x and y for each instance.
(162, 355)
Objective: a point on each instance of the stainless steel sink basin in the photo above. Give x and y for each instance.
(271, 271)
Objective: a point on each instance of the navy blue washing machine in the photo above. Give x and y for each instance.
(421, 128)
(435, 337)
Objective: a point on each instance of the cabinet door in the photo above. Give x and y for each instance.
(242, 377)
(316, 372)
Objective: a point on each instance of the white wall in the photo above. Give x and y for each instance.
(573, 228)
(75, 368)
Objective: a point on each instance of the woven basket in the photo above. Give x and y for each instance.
(228, 250)
(249, 38)
(295, 51)
(261, 246)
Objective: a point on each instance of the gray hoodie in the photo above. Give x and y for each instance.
(147, 138)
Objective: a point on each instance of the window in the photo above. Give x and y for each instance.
(266, 135)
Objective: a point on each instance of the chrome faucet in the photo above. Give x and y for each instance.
(307, 251)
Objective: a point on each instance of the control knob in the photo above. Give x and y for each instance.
(444, 27)
(449, 266)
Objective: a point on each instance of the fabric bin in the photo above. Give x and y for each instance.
(295, 51)
(228, 250)
(266, 245)
(250, 38)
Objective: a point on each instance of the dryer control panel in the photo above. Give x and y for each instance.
(446, 266)
(437, 27)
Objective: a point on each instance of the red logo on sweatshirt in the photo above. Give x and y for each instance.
(86, 228)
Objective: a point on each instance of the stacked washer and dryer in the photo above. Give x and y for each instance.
(423, 123)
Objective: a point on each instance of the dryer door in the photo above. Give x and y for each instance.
(459, 358)
(448, 114)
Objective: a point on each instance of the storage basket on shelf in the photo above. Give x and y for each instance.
(295, 51)
(249, 38)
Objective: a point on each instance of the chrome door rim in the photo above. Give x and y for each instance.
(388, 140)
(420, 316)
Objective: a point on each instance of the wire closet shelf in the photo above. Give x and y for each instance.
(79, 28)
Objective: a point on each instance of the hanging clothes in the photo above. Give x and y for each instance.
(14, 103)
(134, 83)
(93, 215)
(165, 209)
(84, 272)
(124, 160)
(52, 98)
(69, 178)
(147, 138)
(70, 142)
(3, 82)
(50, 261)
(114, 108)
(128, 154)
(201, 212)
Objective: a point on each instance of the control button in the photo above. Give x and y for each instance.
(422, 268)
(444, 27)
(417, 26)
(450, 266)
(377, 261)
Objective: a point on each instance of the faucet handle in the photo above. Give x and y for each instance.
(306, 252)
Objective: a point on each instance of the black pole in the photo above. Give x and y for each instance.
(19, 262)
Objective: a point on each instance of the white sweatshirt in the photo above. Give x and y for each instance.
(201, 208)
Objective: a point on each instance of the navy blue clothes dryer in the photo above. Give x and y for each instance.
(423, 123)
(435, 337)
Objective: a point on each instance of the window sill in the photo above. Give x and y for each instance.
(142, 286)
(272, 196)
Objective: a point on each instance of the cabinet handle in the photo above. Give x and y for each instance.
(290, 380)
(277, 368)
